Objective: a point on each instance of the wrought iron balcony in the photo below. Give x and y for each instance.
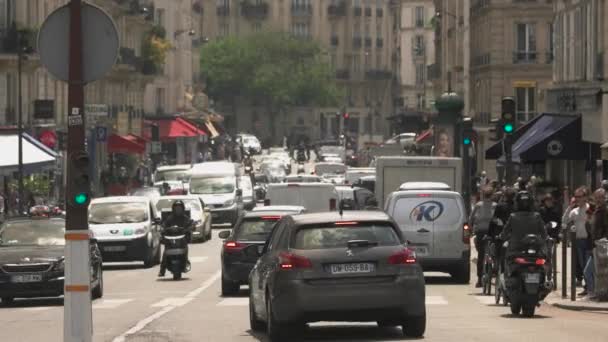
(301, 10)
(357, 42)
(523, 57)
(337, 10)
(254, 10)
(378, 74)
(223, 11)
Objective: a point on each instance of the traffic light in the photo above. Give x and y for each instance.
(79, 186)
(468, 133)
(507, 117)
(346, 116)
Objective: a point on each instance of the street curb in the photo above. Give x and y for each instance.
(576, 307)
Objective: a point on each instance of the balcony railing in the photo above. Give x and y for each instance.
(379, 42)
(378, 74)
(599, 66)
(481, 60)
(223, 11)
(523, 57)
(254, 11)
(342, 74)
(368, 42)
(128, 57)
(357, 41)
(337, 10)
(301, 11)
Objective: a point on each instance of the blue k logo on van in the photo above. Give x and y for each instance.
(429, 211)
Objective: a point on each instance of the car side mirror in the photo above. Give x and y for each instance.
(157, 220)
(254, 251)
(224, 234)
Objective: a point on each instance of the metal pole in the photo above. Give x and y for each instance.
(565, 263)
(78, 317)
(508, 146)
(573, 263)
(21, 189)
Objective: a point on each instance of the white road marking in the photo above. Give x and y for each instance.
(234, 302)
(36, 309)
(436, 300)
(110, 303)
(172, 302)
(486, 300)
(144, 322)
(197, 260)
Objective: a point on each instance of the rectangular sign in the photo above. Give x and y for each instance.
(44, 109)
(98, 110)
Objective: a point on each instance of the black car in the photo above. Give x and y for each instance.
(253, 228)
(32, 259)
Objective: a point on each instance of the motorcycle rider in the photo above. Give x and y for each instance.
(301, 150)
(550, 213)
(176, 218)
(523, 222)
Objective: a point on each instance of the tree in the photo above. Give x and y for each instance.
(274, 69)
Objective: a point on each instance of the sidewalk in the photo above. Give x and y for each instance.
(581, 304)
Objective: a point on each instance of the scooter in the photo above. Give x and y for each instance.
(524, 281)
(176, 251)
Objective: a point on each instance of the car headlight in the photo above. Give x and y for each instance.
(229, 203)
(140, 231)
(59, 266)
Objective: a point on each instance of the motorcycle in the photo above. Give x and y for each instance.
(524, 282)
(175, 241)
(301, 155)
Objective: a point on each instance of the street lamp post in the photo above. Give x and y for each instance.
(20, 57)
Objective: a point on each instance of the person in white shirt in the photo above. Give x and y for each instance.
(576, 217)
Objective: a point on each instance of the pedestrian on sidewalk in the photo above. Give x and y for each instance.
(599, 230)
(576, 218)
(551, 213)
(480, 219)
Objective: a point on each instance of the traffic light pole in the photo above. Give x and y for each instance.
(78, 318)
(508, 146)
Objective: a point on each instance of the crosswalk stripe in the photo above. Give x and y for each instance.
(196, 260)
(110, 303)
(172, 302)
(244, 301)
(486, 300)
(37, 309)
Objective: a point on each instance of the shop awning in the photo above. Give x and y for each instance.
(36, 156)
(170, 129)
(549, 136)
(125, 144)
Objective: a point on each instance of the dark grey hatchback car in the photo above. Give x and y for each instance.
(332, 267)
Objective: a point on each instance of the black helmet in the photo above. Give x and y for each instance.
(177, 203)
(524, 201)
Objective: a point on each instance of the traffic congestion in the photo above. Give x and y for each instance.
(299, 243)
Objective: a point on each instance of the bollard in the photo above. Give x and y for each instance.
(554, 265)
(564, 263)
(573, 262)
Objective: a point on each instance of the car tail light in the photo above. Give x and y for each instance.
(466, 234)
(233, 247)
(521, 261)
(405, 256)
(266, 202)
(288, 261)
(332, 204)
(540, 262)
(424, 195)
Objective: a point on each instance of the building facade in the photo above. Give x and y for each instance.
(358, 38)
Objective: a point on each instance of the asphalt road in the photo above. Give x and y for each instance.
(138, 306)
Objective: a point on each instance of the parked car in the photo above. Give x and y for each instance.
(249, 198)
(332, 267)
(32, 254)
(315, 197)
(250, 143)
(126, 228)
(199, 213)
(287, 209)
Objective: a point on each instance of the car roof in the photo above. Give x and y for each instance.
(368, 178)
(282, 208)
(334, 216)
(180, 197)
(257, 214)
(121, 199)
(174, 167)
(424, 186)
(310, 185)
(437, 193)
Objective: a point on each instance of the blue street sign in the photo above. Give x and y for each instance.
(101, 133)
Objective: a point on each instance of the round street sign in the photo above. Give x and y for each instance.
(99, 38)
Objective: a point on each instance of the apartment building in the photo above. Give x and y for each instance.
(357, 35)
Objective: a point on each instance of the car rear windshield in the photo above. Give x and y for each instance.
(33, 233)
(255, 229)
(330, 236)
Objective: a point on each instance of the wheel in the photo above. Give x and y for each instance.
(209, 235)
(254, 323)
(414, 326)
(277, 332)
(149, 260)
(8, 300)
(229, 288)
(462, 275)
(528, 310)
(515, 308)
(177, 275)
(98, 290)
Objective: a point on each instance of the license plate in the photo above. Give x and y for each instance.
(532, 278)
(26, 278)
(115, 248)
(351, 268)
(420, 250)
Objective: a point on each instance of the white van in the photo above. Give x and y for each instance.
(353, 174)
(323, 168)
(315, 197)
(435, 224)
(218, 185)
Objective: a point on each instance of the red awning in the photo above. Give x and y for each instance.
(176, 128)
(425, 135)
(138, 139)
(125, 144)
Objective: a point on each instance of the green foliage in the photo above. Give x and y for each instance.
(154, 50)
(275, 69)
(36, 184)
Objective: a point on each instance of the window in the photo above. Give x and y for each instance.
(160, 99)
(368, 58)
(379, 62)
(526, 105)
(551, 52)
(420, 77)
(420, 102)
(419, 46)
(419, 16)
(257, 27)
(526, 43)
(356, 63)
(224, 29)
(159, 19)
(301, 30)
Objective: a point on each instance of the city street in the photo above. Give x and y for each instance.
(137, 306)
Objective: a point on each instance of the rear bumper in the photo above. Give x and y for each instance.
(48, 288)
(224, 215)
(134, 250)
(445, 264)
(401, 296)
(237, 271)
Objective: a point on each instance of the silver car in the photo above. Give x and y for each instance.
(332, 267)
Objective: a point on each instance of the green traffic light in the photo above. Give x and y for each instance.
(81, 198)
(508, 128)
(467, 141)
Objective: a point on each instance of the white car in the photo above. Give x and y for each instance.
(199, 213)
(126, 228)
(289, 209)
(172, 173)
(250, 143)
(333, 178)
(315, 197)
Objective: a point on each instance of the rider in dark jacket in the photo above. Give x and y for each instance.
(523, 222)
(551, 213)
(177, 218)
